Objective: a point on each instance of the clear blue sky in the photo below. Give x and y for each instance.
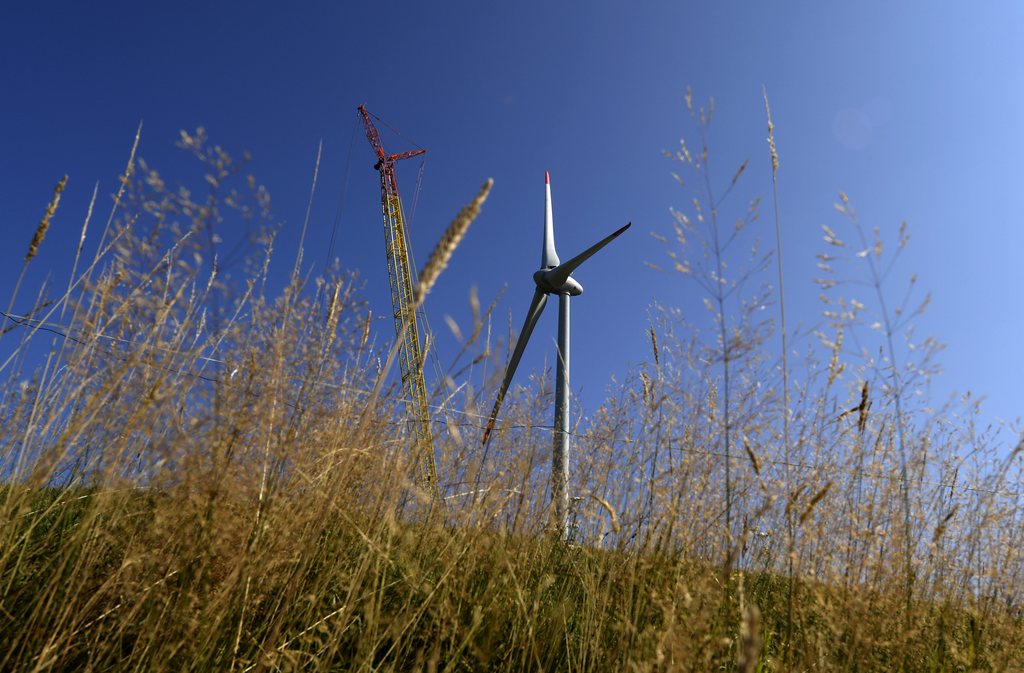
(912, 108)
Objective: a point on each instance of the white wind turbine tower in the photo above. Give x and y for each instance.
(553, 277)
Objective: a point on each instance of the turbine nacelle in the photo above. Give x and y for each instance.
(546, 279)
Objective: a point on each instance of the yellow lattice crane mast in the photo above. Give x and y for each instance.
(396, 246)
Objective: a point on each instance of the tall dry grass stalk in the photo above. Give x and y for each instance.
(730, 304)
(450, 240)
(309, 209)
(44, 223)
(784, 338)
(37, 240)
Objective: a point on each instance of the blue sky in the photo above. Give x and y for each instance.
(911, 108)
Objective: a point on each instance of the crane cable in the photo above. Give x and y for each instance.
(396, 131)
(344, 194)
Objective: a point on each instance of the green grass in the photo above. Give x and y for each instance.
(131, 591)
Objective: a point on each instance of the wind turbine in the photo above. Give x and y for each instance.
(553, 277)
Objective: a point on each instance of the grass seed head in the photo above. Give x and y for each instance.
(453, 235)
(44, 224)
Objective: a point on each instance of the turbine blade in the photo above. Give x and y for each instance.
(536, 307)
(548, 256)
(561, 273)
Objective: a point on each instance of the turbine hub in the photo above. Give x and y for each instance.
(571, 286)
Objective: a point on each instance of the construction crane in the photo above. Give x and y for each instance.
(396, 247)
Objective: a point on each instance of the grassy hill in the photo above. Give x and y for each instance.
(200, 475)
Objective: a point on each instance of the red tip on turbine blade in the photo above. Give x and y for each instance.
(547, 178)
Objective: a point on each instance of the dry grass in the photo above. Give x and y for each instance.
(449, 241)
(193, 481)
